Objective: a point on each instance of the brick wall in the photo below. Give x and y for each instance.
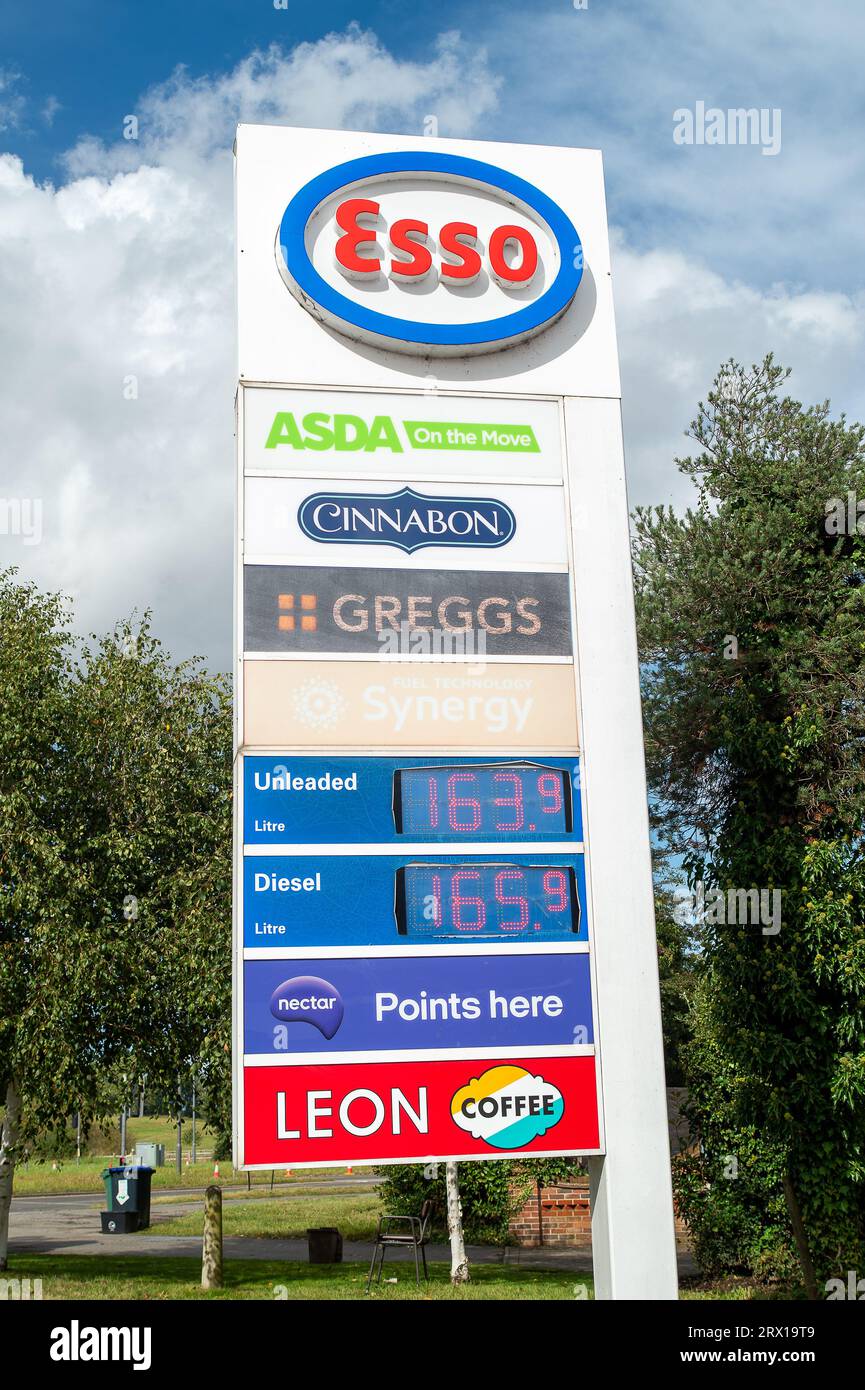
(564, 1216)
(563, 1213)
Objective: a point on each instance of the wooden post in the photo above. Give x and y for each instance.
(211, 1252)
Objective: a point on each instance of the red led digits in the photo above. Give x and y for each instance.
(550, 785)
(504, 800)
(457, 803)
(486, 901)
(515, 800)
(556, 885)
(460, 900)
(519, 900)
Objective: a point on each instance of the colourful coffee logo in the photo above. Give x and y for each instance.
(507, 1107)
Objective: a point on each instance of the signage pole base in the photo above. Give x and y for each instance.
(626, 1264)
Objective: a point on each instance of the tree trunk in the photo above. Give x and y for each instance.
(8, 1153)
(211, 1251)
(801, 1238)
(459, 1262)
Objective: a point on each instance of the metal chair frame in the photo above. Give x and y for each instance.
(415, 1238)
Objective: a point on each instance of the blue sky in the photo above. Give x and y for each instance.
(610, 75)
(95, 57)
(115, 256)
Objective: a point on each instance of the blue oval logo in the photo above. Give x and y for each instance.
(407, 520)
(472, 269)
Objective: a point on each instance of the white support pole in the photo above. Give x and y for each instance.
(633, 1235)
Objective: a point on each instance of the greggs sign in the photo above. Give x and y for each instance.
(429, 253)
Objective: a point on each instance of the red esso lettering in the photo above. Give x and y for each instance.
(410, 237)
(351, 264)
(510, 275)
(512, 250)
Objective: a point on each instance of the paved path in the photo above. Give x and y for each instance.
(70, 1225)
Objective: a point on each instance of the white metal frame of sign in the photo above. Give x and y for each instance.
(573, 363)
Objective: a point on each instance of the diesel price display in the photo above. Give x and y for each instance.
(471, 902)
(492, 800)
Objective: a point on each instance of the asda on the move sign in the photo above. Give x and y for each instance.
(346, 433)
(388, 434)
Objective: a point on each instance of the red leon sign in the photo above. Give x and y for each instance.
(375, 1112)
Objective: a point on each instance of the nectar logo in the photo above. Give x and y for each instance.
(308, 999)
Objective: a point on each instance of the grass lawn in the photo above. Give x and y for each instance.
(33, 1178)
(355, 1213)
(145, 1277)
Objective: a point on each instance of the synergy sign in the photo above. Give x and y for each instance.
(358, 242)
(446, 705)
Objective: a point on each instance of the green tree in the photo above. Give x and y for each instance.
(677, 965)
(115, 866)
(750, 611)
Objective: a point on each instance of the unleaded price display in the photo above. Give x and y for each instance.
(497, 799)
(497, 902)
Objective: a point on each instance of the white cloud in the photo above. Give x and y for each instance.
(345, 80)
(611, 77)
(12, 102)
(125, 271)
(678, 321)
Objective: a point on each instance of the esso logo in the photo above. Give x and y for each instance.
(429, 253)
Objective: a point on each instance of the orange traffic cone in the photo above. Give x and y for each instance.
(216, 1170)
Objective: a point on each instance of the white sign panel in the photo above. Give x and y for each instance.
(301, 320)
(400, 527)
(325, 433)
